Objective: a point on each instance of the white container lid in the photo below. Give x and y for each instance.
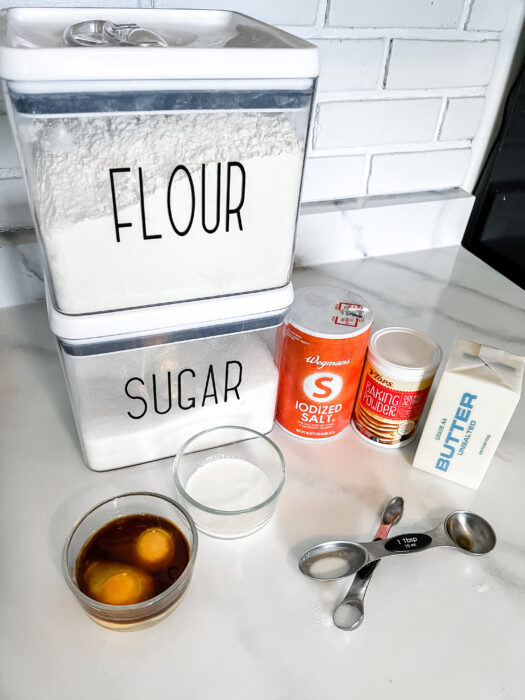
(404, 353)
(183, 320)
(200, 44)
(330, 312)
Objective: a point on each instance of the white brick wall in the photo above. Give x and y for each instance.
(406, 87)
(488, 14)
(333, 178)
(395, 13)
(462, 118)
(76, 3)
(376, 122)
(440, 64)
(440, 78)
(293, 12)
(427, 170)
(350, 64)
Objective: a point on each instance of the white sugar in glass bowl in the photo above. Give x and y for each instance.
(231, 490)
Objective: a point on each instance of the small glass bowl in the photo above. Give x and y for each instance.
(149, 611)
(230, 490)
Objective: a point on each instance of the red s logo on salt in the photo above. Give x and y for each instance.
(322, 386)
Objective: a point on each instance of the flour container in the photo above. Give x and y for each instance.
(141, 382)
(162, 150)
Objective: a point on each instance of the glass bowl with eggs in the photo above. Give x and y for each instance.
(130, 559)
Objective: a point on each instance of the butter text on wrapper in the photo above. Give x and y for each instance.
(454, 434)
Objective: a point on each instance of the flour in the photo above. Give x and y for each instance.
(109, 209)
(142, 404)
(229, 483)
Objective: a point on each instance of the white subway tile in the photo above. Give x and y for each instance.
(395, 13)
(371, 122)
(462, 118)
(68, 4)
(435, 64)
(14, 210)
(332, 178)
(348, 64)
(8, 154)
(413, 172)
(488, 15)
(287, 12)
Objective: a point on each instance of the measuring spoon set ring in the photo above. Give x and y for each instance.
(329, 561)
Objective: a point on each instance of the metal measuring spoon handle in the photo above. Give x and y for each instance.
(329, 561)
(350, 612)
(462, 530)
(407, 543)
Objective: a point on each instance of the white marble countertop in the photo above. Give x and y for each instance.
(437, 625)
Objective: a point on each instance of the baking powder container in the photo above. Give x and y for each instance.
(322, 348)
(398, 373)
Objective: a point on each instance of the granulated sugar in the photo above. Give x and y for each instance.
(141, 404)
(229, 483)
(122, 230)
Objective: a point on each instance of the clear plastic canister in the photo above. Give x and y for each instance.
(163, 163)
(142, 382)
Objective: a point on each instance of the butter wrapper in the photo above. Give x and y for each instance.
(472, 406)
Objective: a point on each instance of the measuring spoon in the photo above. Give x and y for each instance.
(350, 612)
(462, 529)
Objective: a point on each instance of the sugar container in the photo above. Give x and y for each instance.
(143, 381)
(162, 150)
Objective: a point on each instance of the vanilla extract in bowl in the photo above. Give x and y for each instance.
(132, 559)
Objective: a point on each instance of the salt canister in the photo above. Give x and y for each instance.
(398, 373)
(321, 349)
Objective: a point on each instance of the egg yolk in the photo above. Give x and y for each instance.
(114, 583)
(154, 548)
(121, 589)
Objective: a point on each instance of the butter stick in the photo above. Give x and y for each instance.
(472, 406)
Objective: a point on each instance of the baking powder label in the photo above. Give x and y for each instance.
(387, 410)
(318, 381)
